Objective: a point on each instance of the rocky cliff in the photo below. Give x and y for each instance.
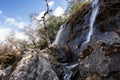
(73, 58)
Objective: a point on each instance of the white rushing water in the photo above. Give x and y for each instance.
(71, 66)
(69, 71)
(58, 36)
(95, 7)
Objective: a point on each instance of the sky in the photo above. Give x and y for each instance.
(15, 14)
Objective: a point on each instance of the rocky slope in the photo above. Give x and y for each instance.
(71, 60)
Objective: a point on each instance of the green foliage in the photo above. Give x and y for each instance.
(53, 25)
(77, 11)
(41, 31)
(42, 43)
(78, 7)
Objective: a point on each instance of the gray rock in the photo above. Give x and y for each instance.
(33, 66)
(99, 59)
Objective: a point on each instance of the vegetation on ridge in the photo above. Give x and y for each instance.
(77, 11)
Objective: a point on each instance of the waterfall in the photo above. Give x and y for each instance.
(95, 7)
(71, 66)
(58, 36)
(69, 71)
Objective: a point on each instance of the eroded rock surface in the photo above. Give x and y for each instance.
(32, 66)
(105, 55)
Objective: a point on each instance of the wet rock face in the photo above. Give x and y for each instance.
(64, 37)
(108, 18)
(102, 54)
(79, 29)
(104, 57)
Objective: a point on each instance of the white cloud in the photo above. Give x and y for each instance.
(3, 33)
(21, 36)
(1, 12)
(51, 3)
(41, 15)
(10, 20)
(58, 11)
(13, 21)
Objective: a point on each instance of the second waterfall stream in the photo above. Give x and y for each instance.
(58, 36)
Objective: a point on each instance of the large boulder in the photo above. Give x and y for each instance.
(101, 56)
(32, 66)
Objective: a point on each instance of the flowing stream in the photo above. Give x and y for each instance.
(58, 36)
(95, 8)
(69, 71)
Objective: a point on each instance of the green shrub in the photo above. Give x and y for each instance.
(77, 11)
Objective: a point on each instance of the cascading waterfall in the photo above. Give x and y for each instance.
(95, 7)
(58, 36)
(69, 71)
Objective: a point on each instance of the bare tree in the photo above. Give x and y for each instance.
(3, 48)
(31, 32)
(10, 39)
(44, 20)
